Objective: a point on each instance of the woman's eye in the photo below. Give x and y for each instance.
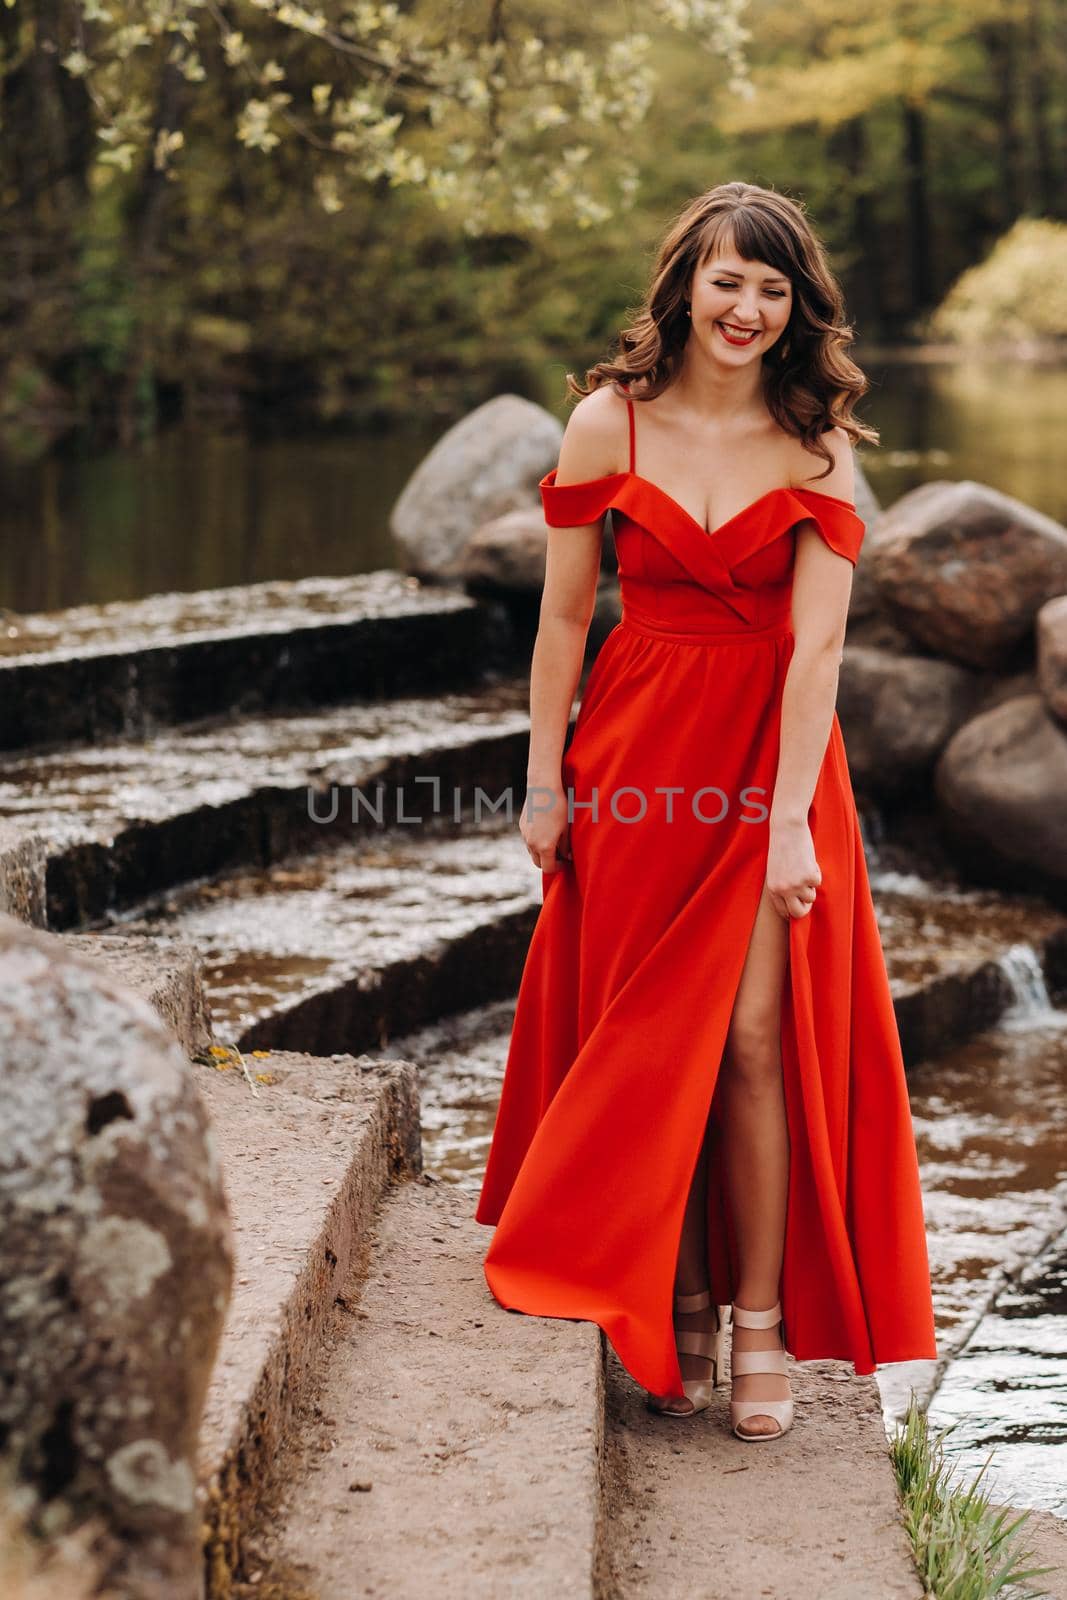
(719, 284)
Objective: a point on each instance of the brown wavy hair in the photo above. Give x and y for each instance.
(810, 383)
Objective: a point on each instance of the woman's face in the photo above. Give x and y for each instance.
(738, 307)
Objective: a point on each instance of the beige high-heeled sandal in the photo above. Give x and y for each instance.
(707, 1342)
(745, 1361)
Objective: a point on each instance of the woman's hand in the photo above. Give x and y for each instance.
(544, 826)
(793, 873)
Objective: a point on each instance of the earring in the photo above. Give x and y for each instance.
(687, 309)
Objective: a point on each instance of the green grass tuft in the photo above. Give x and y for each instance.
(964, 1550)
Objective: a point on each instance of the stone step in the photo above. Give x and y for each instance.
(345, 949)
(447, 1447)
(691, 1510)
(170, 979)
(123, 821)
(308, 1149)
(1045, 1536)
(356, 947)
(128, 667)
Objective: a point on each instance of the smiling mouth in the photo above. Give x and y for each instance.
(735, 335)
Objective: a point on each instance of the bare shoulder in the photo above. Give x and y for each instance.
(595, 438)
(840, 480)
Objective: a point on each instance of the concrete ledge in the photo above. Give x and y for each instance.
(124, 668)
(126, 821)
(347, 949)
(169, 978)
(691, 1510)
(449, 1447)
(305, 1162)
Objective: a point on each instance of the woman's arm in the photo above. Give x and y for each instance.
(822, 583)
(590, 448)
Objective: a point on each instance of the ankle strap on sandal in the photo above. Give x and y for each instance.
(756, 1319)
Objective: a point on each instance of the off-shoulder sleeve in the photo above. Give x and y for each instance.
(573, 505)
(839, 523)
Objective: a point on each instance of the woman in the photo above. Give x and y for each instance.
(704, 1101)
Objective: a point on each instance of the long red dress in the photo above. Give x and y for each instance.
(637, 952)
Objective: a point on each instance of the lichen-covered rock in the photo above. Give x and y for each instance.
(489, 463)
(1052, 655)
(965, 569)
(22, 875)
(1000, 785)
(115, 1262)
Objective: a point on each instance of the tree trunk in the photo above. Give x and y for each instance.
(917, 204)
(145, 218)
(848, 145)
(1048, 181)
(998, 40)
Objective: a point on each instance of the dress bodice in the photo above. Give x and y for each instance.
(674, 573)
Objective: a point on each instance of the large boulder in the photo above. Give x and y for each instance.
(1000, 785)
(506, 555)
(1052, 655)
(488, 464)
(509, 555)
(897, 713)
(864, 600)
(115, 1263)
(964, 569)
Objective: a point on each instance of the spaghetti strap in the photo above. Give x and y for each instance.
(633, 432)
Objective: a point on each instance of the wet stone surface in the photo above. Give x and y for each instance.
(93, 794)
(271, 937)
(127, 625)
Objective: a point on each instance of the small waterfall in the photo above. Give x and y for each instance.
(872, 832)
(887, 880)
(1030, 1002)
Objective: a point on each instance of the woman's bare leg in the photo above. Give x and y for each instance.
(750, 1102)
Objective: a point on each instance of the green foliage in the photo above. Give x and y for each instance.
(964, 1550)
(506, 119)
(217, 272)
(1018, 292)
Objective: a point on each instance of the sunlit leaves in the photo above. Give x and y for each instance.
(830, 62)
(1018, 292)
(254, 125)
(508, 117)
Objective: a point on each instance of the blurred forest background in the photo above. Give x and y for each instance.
(183, 245)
